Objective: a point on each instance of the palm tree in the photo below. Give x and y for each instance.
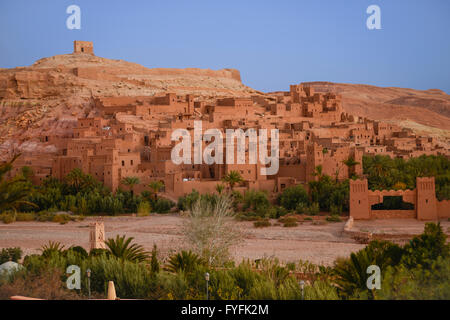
(52, 247)
(185, 261)
(13, 191)
(120, 247)
(381, 165)
(350, 163)
(131, 182)
(75, 179)
(219, 188)
(233, 177)
(317, 171)
(156, 186)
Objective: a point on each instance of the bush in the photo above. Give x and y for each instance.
(62, 218)
(46, 285)
(262, 223)
(185, 203)
(335, 209)
(79, 250)
(292, 196)
(8, 217)
(144, 209)
(256, 201)
(24, 216)
(301, 208)
(288, 221)
(184, 261)
(98, 252)
(163, 205)
(334, 218)
(313, 209)
(10, 254)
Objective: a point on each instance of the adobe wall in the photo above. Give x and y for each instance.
(393, 214)
(443, 209)
(426, 206)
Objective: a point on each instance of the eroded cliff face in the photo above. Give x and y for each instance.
(50, 95)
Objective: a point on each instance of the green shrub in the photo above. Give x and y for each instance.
(292, 196)
(301, 208)
(163, 205)
(62, 218)
(10, 254)
(144, 209)
(184, 261)
(79, 250)
(8, 217)
(308, 219)
(122, 248)
(98, 252)
(185, 203)
(262, 223)
(53, 247)
(335, 209)
(288, 221)
(313, 209)
(334, 218)
(24, 216)
(256, 201)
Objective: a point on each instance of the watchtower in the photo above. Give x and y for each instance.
(97, 236)
(426, 199)
(83, 47)
(359, 199)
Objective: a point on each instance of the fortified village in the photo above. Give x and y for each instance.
(313, 131)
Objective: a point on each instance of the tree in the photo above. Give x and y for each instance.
(351, 273)
(292, 196)
(318, 171)
(210, 229)
(77, 181)
(155, 187)
(130, 182)
(351, 164)
(154, 264)
(120, 247)
(233, 177)
(427, 247)
(13, 191)
(185, 261)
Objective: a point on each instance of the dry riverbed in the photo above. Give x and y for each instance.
(318, 243)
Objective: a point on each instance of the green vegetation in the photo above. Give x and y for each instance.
(78, 193)
(417, 270)
(121, 248)
(10, 254)
(232, 178)
(386, 173)
(262, 223)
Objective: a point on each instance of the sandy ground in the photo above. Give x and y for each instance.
(316, 243)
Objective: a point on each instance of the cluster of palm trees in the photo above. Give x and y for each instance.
(232, 179)
(155, 186)
(14, 190)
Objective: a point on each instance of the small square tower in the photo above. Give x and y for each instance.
(83, 47)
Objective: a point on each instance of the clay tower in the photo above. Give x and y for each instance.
(83, 47)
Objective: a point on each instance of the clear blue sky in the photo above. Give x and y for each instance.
(273, 43)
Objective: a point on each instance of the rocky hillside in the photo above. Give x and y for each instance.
(52, 93)
(425, 112)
